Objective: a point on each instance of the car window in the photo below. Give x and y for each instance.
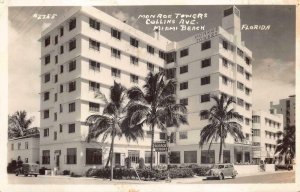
(226, 166)
(221, 166)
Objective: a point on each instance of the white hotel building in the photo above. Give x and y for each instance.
(87, 50)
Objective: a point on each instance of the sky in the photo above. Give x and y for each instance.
(273, 50)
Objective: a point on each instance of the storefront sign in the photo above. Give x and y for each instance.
(161, 146)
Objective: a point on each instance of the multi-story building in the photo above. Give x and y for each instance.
(87, 50)
(286, 107)
(24, 148)
(212, 62)
(265, 128)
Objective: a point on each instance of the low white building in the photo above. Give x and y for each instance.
(24, 148)
(264, 130)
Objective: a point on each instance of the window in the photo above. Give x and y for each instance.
(170, 73)
(170, 57)
(162, 136)
(61, 49)
(47, 59)
(256, 132)
(47, 41)
(72, 86)
(190, 156)
(46, 132)
(255, 119)
(94, 65)
(205, 98)
(46, 96)
(56, 39)
(183, 135)
(162, 158)
(19, 146)
(225, 80)
(247, 76)
(240, 102)
(224, 62)
(115, 72)
(94, 24)
(184, 101)
(247, 106)
(60, 128)
(94, 45)
(247, 60)
(134, 60)
(71, 155)
(175, 157)
(256, 143)
(225, 44)
(205, 63)
(184, 69)
(94, 107)
(134, 42)
(184, 52)
(240, 86)
(247, 91)
(93, 156)
(93, 86)
(72, 65)
(72, 44)
(72, 128)
(204, 115)
(205, 45)
(46, 157)
(56, 59)
(150, 66)
(72, 24)
(60, 108)
(55, 97)
(47, 78)
(184, 85)
(115, 53)
(240, 69)
(115, 33)
(134, 155)
(226, 156)
(150, 49)
(205, 80)
(55, 136)
(71, 107)
(134, 78)
(26, 144)
(240, 52)
(61, 30)
(161, 54)
(228, 11)
(208, 157)
(46, 114)
(55, 116)
(61, 69)
(148, 157)
(61, 88)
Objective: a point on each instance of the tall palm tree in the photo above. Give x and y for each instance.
(18, 124)
(155, 106)
(221, 123)
(111, 122)
(286, 145)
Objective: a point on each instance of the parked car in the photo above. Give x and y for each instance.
(28, 169)
(221, 171)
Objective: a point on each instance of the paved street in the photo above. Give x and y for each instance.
(277, 177)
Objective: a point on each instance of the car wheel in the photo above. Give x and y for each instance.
(17, 174)
(233, 176)
(26, 175)
(221, 176)
(35, 175)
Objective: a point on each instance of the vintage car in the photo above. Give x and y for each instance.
(221, 171)
(28, 169)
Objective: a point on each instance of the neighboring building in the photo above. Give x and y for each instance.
(24, 148)
(286, 107)
(213, 62)
(265, 128)
(87, 50)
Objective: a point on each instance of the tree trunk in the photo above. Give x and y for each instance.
(220, 152)
(112, 158)
(109, 154)
(152, 143)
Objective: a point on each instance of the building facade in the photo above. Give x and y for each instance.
(265, 128)
(286, 107)
(24, 148)
(87, 50)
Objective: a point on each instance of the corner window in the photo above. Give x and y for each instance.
(61, 31)
(47, 78)
(47, 41)
(46, 96)
(46, 114)
(72, 24)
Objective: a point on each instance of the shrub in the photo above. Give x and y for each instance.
(128, 162)
(286, 167)
(73, 174)
(141, 163)
(66, 172)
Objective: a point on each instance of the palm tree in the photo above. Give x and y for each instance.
(221, 123)
(18, 124)
(286, 144)
(155, 106)
(111, 122)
